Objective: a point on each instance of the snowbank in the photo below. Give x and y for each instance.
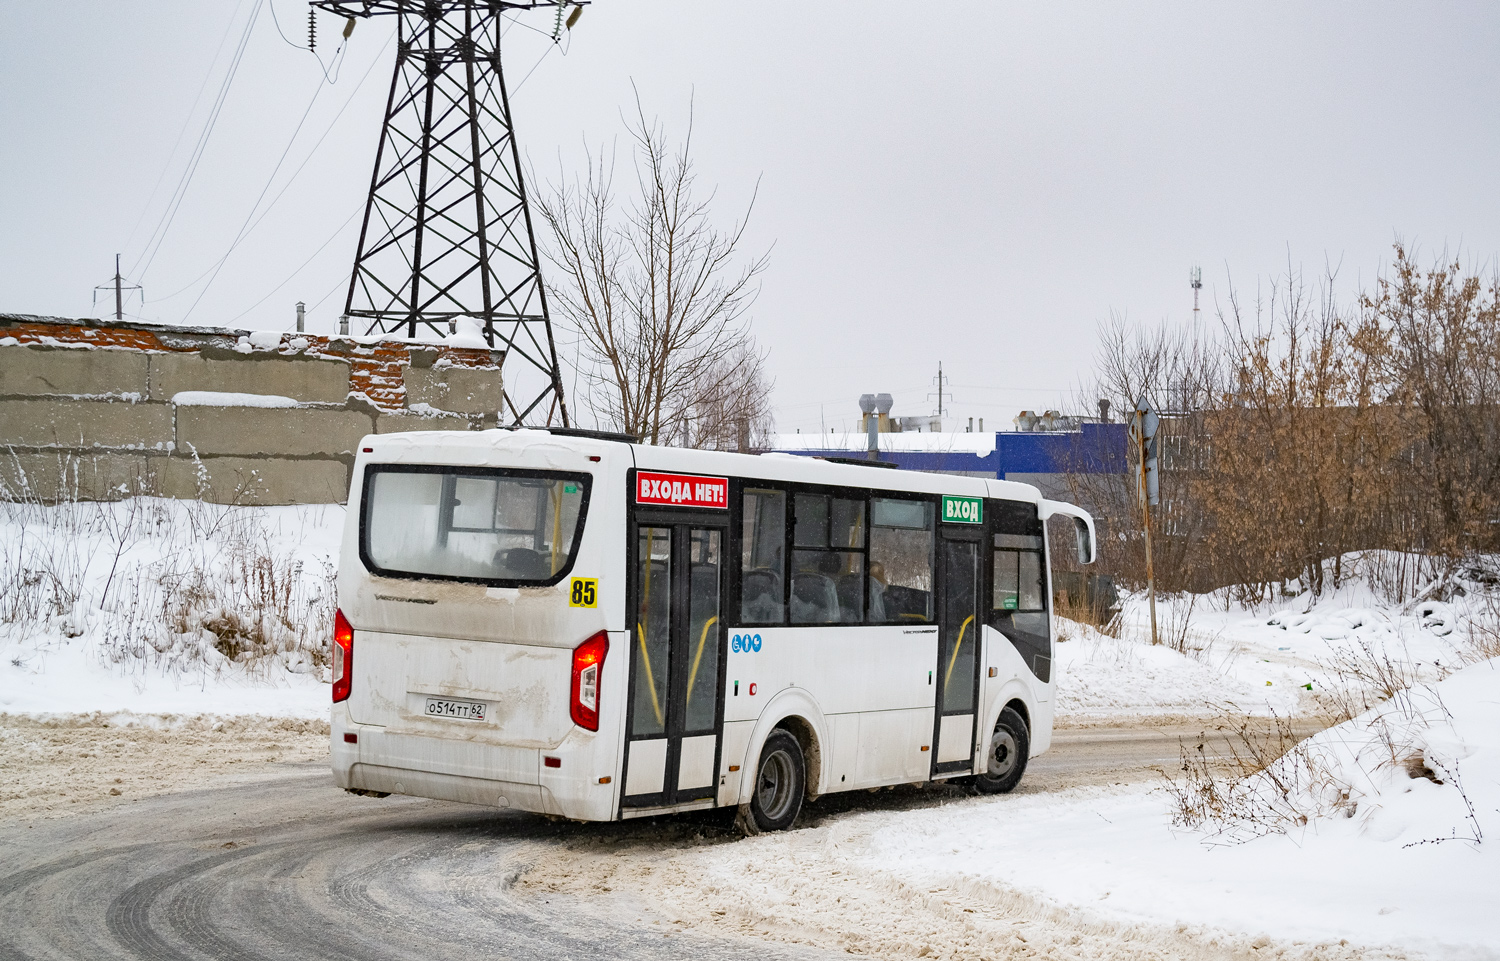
(1405, 865)
(1103, 676)
(159, 606)
(1281, 658)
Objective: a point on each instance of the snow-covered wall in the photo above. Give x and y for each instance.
(102, 410)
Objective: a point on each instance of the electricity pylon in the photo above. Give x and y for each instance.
(447, 230)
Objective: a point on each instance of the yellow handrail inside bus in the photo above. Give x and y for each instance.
(556, 521)
(640, 631)
(698, 657)
(954, 659)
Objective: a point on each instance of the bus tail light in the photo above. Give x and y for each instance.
(343, 656)
(588, 662)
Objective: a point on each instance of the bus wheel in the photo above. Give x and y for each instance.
(1005, 758)
(779, 783)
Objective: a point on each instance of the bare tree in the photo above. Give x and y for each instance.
(731, 408)
(1306, 430)
(658, 296)
(1443, 363)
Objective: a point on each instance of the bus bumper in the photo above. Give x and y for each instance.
(558, 781)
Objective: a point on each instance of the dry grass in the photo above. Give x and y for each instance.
(1274, 779)
(1269, 782)
(171, 584)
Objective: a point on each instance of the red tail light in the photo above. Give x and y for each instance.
(343, 657)
(588, 666)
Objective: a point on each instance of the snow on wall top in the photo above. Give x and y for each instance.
(378, 365)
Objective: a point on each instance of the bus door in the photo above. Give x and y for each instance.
(960, 571)
(672, 741)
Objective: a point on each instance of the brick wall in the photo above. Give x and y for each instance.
(108, 410)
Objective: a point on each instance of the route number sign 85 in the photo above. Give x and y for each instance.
(584, 593)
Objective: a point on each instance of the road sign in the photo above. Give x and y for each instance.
(1143, 427)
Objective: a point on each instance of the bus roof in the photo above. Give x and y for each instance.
(488, 447)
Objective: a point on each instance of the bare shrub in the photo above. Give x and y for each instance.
(1364, 676)
(1483, 640)
(1177, 623)
(1273, 780)
(1269, 782)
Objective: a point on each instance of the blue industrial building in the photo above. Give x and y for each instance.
(1042, 458)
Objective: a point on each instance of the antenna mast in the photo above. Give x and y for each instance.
(447, 232)
(1195, 279)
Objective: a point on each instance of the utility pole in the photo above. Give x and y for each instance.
(117, 283)
(939, 394)
(1143, 425)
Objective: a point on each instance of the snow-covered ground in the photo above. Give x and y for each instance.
(1388, 863)
(1402, 861)
(159, 606)
(1281, 657)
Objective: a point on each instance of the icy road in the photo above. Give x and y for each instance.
(286, 866)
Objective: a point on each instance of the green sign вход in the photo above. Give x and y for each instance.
(962, 510)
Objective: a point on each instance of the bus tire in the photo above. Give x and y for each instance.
(1005, 756)
(780, 781)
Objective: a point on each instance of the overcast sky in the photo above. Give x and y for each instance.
(977, 185)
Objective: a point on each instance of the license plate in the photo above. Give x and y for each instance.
(448, 707)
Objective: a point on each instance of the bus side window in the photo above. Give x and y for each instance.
(828, 560)
(901, 546)
(762, 560)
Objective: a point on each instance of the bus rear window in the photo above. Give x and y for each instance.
(510, 527)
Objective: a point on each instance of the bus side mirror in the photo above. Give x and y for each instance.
(1085, 541)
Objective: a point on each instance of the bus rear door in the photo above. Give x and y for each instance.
(675, 715)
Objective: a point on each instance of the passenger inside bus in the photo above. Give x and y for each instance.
(877, 591)
(815, 599)
(761, 596)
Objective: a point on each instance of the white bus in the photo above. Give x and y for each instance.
(576, 625)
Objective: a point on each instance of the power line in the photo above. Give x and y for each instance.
(170, 214)
(538, 63)
(309, 260)
(253, 207)
(338, 285)
(277, 20)
(185, 122)
(327, 130)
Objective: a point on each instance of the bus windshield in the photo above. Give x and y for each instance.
(512, 527)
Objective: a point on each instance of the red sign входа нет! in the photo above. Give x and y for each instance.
(681, 490)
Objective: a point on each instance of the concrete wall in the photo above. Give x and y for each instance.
(103, 411)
